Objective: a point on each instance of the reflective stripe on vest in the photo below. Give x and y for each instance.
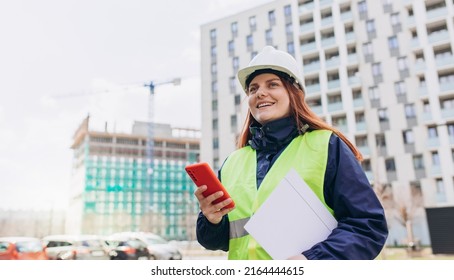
(307, 154)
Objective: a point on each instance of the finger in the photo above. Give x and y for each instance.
(214, 196)
(199, 192)
(223, 203)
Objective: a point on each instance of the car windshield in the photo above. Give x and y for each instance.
(29, 247)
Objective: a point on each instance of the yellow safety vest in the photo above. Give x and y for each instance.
(307, 154)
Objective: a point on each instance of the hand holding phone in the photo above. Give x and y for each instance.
(202, 174)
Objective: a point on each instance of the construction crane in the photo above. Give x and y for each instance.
(150, 125)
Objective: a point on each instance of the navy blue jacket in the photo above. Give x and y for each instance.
(361, 232)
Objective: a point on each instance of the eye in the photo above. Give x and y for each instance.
(252, 90)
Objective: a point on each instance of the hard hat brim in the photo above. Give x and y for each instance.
(244, 73)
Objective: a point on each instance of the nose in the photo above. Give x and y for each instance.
(261, 92)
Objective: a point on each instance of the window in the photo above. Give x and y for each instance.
(235, 64)
(269, 37)
(249, 42)
(237, 99)
(233, 123)
(362, 7)
(376, 69)
(435, 159)
(393, 43)
(288, 11)
(231, 47)
(252, 23)
(402, 63)
(215, 143)
(234, 29)
(382, 115)
(367, 48)
(214, 69)
(214, 105)
(215, 124)
(289, 29)
(213, 35)
(380, 140)
(440, 188)
(418, 162)
(214, 87)
(271, 18)
(291, 48)
(373, 93)
(232, 84)
(450, 127)
(399, 87)
(214, 52)
(432, 132)
(370, 26)
(410, 111)
(395, 19)
(408, 136)
(390, 164)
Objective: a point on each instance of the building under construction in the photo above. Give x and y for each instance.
(116, 185)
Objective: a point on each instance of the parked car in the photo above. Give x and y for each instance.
(75, 247)
(159, 248)
(21, 248)
(124, 247)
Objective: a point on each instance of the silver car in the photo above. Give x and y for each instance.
(74, 247)
(160, 249)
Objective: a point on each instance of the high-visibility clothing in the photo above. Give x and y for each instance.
(307, 154)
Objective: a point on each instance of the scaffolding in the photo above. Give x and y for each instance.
(112, 191)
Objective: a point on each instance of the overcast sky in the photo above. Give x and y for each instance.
(105, 49)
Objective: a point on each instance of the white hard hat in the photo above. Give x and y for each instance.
(270, 58)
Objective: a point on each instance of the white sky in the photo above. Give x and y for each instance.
(52, 48)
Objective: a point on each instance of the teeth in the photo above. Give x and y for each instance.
(264, 104)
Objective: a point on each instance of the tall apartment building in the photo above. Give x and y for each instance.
(380, 71)
(111, 189)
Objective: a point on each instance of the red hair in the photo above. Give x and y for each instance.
(302, 114)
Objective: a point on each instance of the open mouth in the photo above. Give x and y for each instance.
(265, 104)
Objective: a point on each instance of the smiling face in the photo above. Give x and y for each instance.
(268, 98)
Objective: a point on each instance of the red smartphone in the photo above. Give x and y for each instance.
(202, 174)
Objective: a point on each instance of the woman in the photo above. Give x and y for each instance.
(280, 133)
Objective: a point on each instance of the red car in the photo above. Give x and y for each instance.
(21, 248)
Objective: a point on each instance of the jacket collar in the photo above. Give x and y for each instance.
(273, 135)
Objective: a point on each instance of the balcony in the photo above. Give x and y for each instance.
(361, 126)
(326, 21)
(365, 151)
(314, 66)
(420, 66)
(333, 107)
(444, 60)
(433, 142)
(308, 47)
(317, 109)
(307, 27)
(306, 7)
(447, 113)
(435, 13)
(354, 80)
(325, 3)
(359, 102)
(347, 16)
(350, 36)
(332, 62)
(411, 21)
(438, 36)
(326, 42)
(422, 91)
(352, 58)
(333, 84)
(447, 86)
(314, 88)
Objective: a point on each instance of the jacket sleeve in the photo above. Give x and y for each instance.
(362, 230)
(213, 237)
